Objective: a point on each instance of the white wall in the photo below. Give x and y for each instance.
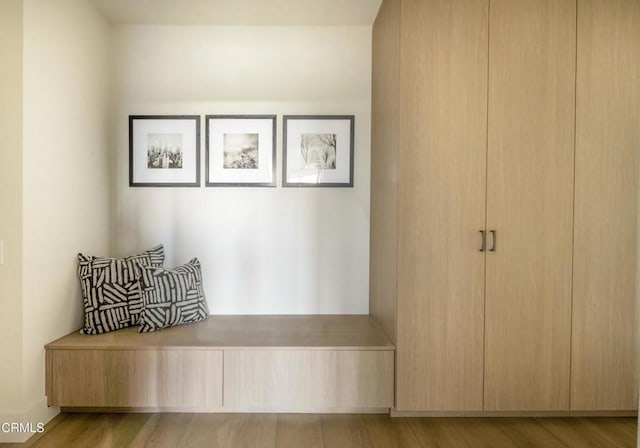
(638, 296)
(66, 177)
(263, 250)
(10, 207)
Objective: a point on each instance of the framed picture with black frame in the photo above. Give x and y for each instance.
(318, 150)
(240, 151)
(164, 150)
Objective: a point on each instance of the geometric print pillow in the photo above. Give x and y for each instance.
(172, 297)
(110, 290)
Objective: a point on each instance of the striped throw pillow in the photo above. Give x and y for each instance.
(172, 297)
(110, 289)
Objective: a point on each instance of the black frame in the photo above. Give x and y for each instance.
(286, 118)
(273, 183)
(196, 118)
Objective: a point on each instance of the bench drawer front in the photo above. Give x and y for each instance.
(308, 380)
(136, 378)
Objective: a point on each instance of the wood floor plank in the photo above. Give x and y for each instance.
(438, 432)
(142, 437)
(64, 431)
(99, 434)
(167, 430)
(621, 432)
(299, 430)
(255, 431)
(344, 431)
(480, 433)
(385, 432)
(47, 429)
(163, 431)
(527, 432)
(72, 431)
(122, 430)
(631, 422)
(575, 432)
(211, 431)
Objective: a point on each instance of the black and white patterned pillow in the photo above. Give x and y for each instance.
(110, 289)
(172, 297)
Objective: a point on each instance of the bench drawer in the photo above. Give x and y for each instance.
(135, 378)
(308, 380)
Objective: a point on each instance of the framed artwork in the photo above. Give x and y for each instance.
(164, 151)
(241, 151)
(318, 151)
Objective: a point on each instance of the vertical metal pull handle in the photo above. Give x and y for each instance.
(494, 236)
(484, 240)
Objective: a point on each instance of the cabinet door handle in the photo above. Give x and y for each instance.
(494, 237)
(484, 240)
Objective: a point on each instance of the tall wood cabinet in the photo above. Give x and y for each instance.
(486, 131)
(605, 266)
(442, 134)
(530, 204)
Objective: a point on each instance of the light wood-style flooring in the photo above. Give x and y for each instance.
(330, 431)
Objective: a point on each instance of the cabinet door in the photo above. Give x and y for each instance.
(135, 378)
(441, 204)
(532, 46)
(604, 350)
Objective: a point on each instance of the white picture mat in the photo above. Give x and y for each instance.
(220, 126)
(142, 127)
(296, 172)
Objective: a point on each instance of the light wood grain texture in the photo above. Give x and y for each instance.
(48, 372)
(472, 433)
(256, 431)
(299, 380)
(480, 434)
(604, 353)
(577, 434)
(230, 431)
(337, 332)
(121, 431)
(299, 430)
(385, 103)
(180, 368)
(390, 433)
(310, 431)
(88, 430)
(344, 431)
(209, 430)
(162, 431)
(276, 409)
(620, 432)
(439, 432)
(527, 433)
(155, 378)
(530, 203)
(36, 437)
(510, 414)
(441, 204)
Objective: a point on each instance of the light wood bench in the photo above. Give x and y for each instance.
(228, 364)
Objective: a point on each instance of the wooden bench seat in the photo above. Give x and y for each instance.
(228, 364)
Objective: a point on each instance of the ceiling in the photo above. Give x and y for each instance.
(239, 12)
